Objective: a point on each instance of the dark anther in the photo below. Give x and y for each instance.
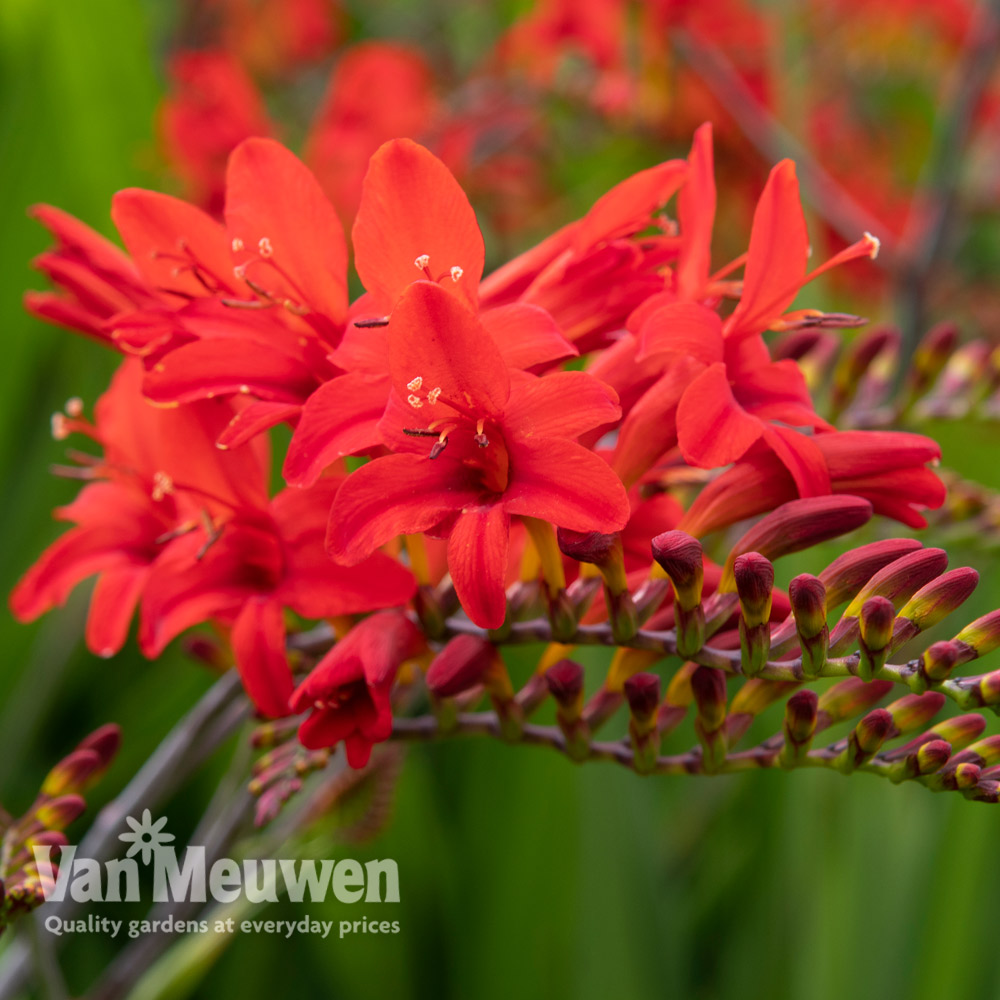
(364, 324)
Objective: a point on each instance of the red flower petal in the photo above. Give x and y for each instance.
(712, 428)
(412, 206)
(526, 335)
(256, 418)
(802, 457)
(340, 418)
(778, 254)
(390, 496)
(293, 241)
(696, 215)
(561, 482)
(259, 649)
(477, 560)
(112, 605)
(437, 342)
(682, 328)
(562, 404)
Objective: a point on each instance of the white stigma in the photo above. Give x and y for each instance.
(240, 271)
(237, 244)
(876, 245)
(415, 383)
(74, 407)
(456, 273)
(415, 401)
(59, 429)
(424, 260)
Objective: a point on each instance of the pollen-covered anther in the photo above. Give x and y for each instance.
(481, 439)
(456, 273)
(415, 383)
(415, 401)
(432, 396)
(422, 262)
(163, 485)
(60, 427)
(74, 407)
(264, 247)
(240, 271)
(439, 445)
(874, 244)
(237, 244)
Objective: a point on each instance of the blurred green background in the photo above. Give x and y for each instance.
(521, 875)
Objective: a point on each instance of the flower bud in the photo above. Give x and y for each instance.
(848, 573)
(932, 756)
(865, 740)
(565, 681)
(708, 686)
(981, 636)
(967, 776)
(58, 813)
(959, 731)
(799, 726)
(985, 752)
(461, 665)
(680, 557)
(807, 596)
(913, 711)
(603, 551)
(938, 661)
(901, 579)
(798, 525)
(877, 617)
(849, 697)
(930, 357)
(71, 773)
(104, 741)
(877, 343)
(935, 601)
(754, 576)
(988, 689)
(642, 692)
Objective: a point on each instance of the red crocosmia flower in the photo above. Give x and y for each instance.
(274, 277)
(378, 91)
(503, 446)
(592, 274)
(212, 107)
(97, 280)
(398, 235)
(888, 468)
(160, 474)
(348, 690)
(255, 564)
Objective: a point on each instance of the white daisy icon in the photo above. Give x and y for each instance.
(146, 836)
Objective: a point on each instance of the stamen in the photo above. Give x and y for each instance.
(60, 427)
(439, 445)
(481, 439)
(264, 247)
(456, 273)
(422, 262)
(432, 396)
(415, 383)
(420, 432)
(237, 244)
(74, 407)
(876, 245)
(415, 401)
(364, 324)
(163, 485)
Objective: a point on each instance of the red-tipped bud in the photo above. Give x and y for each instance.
(848, 573)
(959, 731)
(931, 355)
(939, 598)
(680, 557)
(800, 717)
(58, 813)
(871, 732)
(565, 681)
(461, 665)
(71, 774)
(797, 525)
(988, 689)
(205, 649)
(967, 775)
(932, 756)
(982, 636)
(901, 578)
(877, 617)
(808, 599)
(940, 660)
(708, 686)
(914, 711)
(754, 576)
(849, 697)
(879, 342)
(642, 692)
(984, 752)
(590, 546)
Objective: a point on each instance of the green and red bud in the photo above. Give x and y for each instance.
(565, 682)
(914, 711)
(847, 574)
(58, 813)
(875, 622)
(926, 759)
(937, 663)
(865, 740)
(642, 692)
(849, 697)
(934, 602)
(680, 557)
(799, 726)
(980, 637)
(754, 576)
(708, 686)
